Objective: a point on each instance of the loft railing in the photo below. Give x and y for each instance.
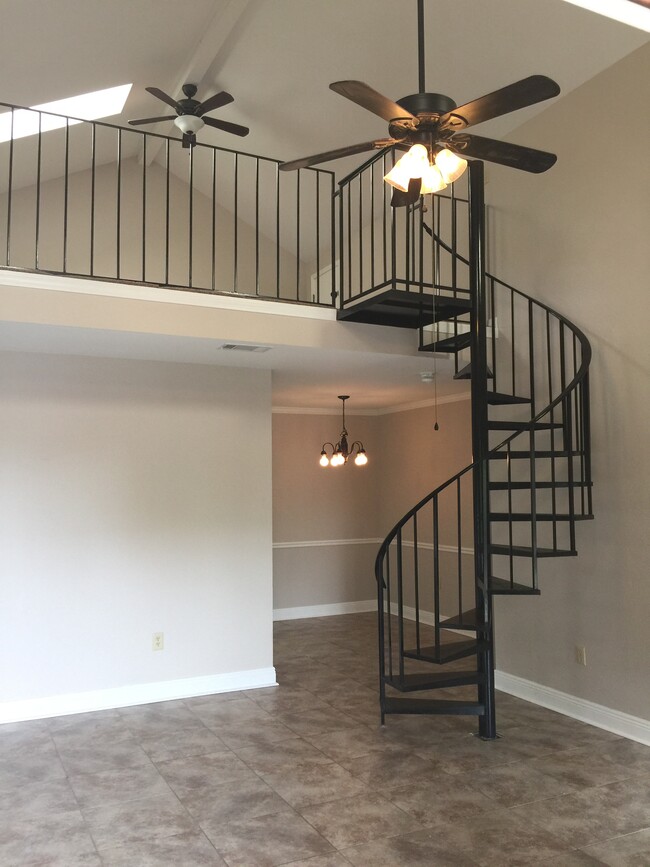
(90, 199)
(383, 247)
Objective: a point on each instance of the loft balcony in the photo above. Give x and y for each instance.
(90, 199)
(98, 201)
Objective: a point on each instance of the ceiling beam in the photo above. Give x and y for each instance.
(203, 57)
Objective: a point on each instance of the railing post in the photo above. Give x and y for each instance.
(480, 448)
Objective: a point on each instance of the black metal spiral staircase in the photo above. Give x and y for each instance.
(483, 532)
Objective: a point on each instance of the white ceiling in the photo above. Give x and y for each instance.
(277, 58)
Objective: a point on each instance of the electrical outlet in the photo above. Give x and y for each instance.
(581, 655)
(158, 641)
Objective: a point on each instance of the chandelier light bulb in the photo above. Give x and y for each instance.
(361, 459)
(324, 460)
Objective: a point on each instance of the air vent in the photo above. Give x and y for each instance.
(245, 347)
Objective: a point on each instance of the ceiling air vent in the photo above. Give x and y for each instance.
(245, 347)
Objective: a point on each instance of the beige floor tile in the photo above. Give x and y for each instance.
(315, 784)
(266, 841)
(136, 821)
(352, 821)
(632, 850)
(183, 850)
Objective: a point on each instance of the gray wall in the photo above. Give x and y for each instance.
(135, 498)
(577, 238)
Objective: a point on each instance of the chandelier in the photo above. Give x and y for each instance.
(342, 451)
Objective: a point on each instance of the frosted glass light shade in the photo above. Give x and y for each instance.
(450, 165)
(413, 164)
(432, 181)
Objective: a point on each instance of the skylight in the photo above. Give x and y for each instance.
(86, 106)
(632, 12)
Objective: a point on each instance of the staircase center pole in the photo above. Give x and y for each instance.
(480, 448)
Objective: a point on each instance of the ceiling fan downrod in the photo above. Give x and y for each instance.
(421, 85)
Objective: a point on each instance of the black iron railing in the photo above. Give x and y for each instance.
(95, 200)
(380, 246)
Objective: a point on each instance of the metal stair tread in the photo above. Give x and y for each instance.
(539, 516)
(493, 424)
(465, 620)
(466, 372)
(401, 309)
(498, 398)
(432, 706)
(504, 587)
(523, 486)
(432, 680)
(538, 453)
(453, 343)
(526, 551)
(447, 652)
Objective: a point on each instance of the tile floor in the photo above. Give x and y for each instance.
(302, 774)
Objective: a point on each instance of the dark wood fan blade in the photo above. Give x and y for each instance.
(400, 199)
(336, 154)
(370, 99)
(152, 119)
(160, 94)
(528, 91)
(215, 101)
(226, 126)
(504, 153)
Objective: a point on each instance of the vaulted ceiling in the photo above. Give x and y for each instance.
(277, 57)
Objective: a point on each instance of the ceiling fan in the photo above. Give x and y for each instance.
(430, 126)
(189, 113)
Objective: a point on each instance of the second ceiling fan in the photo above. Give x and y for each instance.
(430, 126)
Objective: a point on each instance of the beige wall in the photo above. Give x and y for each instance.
(577, 238)
(407, 460)
(316, 504)
(135, 498)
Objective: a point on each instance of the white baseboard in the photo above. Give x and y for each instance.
(140, 693)
(633, 727)
(324, 610)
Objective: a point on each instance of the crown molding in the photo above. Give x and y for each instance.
(384, 410)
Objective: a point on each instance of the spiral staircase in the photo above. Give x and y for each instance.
(483, 532)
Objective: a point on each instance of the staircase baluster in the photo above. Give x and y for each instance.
(400, 605)
(459, 524)
(436, 573)
(416, 579)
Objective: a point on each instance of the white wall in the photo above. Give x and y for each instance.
(135, 498)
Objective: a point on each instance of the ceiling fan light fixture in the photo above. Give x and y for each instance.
(413, 164)
(433, 180)
(189, 124)
(450, 165)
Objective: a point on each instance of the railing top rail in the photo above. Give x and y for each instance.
(157, 135)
